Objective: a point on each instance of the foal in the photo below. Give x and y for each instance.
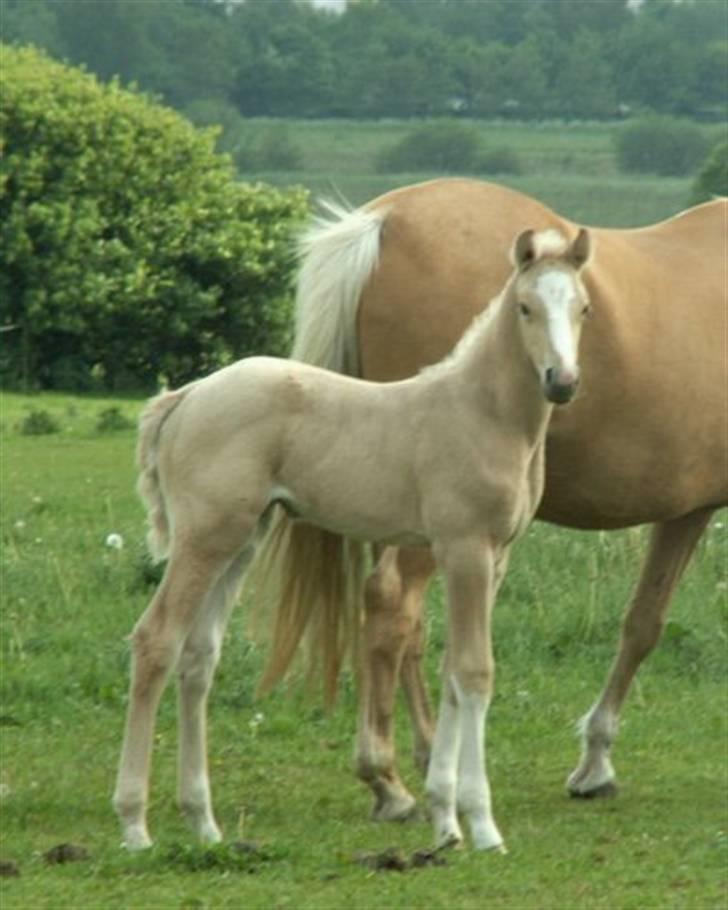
(452, 458)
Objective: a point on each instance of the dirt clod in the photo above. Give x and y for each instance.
(66, 853)
(395, 860)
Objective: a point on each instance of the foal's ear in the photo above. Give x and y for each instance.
(580, 251)
(523, 253)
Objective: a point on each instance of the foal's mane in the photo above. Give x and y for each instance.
(474, 331)
(548, 244)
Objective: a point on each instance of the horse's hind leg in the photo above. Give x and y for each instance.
(391, 644)
(671, 546)
(414, 685)
(196, 668)
(157, 642)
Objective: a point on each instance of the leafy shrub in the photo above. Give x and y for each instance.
(127, 248)
(39, 423)
(660, 145)
(448, 147)
(712, 179)
(500, 160)
(113, 419)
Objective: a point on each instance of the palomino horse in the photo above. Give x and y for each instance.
(388, 289)
(452, 459)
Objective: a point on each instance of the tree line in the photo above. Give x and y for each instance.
(574, 59)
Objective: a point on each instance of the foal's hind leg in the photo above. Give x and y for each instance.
(195, 670)
(391, 643)
(157, 642)
(671, 546)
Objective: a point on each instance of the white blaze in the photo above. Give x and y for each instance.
(556, 290)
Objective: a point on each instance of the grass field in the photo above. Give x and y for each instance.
(572, 167)
(282, 768)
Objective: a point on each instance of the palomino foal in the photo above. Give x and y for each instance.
(452, 458)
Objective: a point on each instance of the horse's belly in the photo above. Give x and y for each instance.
(630, 481)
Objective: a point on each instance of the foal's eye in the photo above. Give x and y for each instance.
(524, 310)
(586, 311)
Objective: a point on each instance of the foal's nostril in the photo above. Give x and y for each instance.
(549, 374)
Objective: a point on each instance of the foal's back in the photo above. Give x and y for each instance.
(645, 439)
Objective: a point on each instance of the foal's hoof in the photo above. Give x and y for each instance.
(607, 790)
(499, 849)
(450, 841)
(136, 844)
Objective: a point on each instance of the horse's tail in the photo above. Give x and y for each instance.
(338, 255)
(149, 487)
(315, 576)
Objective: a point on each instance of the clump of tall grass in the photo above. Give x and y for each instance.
(112, 420)
(39, 423)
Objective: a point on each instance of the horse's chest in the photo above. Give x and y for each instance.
(520, 500)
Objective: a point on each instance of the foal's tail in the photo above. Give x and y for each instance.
(317, 576)
(148, 484)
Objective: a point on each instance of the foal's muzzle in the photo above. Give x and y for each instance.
(560, 386)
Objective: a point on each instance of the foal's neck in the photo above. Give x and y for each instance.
(500, 375)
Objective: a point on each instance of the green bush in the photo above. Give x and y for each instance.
(127, 248)
(500, 159)
(112, 420)
(276, 150)
(660, 145)
(712, 179)
(447, 147)
(39, 423)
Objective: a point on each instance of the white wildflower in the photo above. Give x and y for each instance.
(256, 721)
(114, 541)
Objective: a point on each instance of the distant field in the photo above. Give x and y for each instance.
(281, 768)
(571, 167)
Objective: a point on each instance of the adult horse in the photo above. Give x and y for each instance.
(389, 288)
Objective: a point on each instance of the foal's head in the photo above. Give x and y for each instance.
(551, 303)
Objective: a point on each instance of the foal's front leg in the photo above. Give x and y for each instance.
(456, 777)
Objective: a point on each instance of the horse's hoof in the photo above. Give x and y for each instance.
(607, 790)
(396, 810)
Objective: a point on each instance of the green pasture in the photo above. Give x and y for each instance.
(281, 767)
(570, 166)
